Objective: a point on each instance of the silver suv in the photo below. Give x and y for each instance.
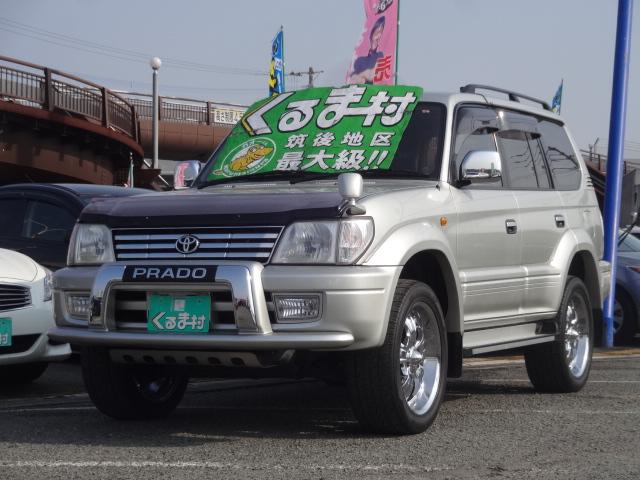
(370, 235)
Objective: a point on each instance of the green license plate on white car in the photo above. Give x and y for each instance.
(5, 332)
(178, 313)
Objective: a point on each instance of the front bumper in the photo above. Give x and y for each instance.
(355, 305)
(29, 329)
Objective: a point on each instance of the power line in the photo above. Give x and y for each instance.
(67, 41)
(311, 73)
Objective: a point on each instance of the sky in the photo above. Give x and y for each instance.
(219, 50)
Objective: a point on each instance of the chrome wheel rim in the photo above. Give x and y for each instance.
(618, 316)
(576, 335)
(420, 358)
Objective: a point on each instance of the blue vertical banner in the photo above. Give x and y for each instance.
(556, 103)
(276, 67)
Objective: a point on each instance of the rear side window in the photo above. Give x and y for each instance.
(48, 222)
(11, 215)
(564, 166)
(474, 131)
(521, 152)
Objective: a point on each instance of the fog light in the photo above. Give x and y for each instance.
(78, 306)
(299, 308)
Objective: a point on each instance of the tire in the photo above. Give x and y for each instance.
(563, 365)
(625, 318)
(128, 392)
(382, 388)
(22, 373)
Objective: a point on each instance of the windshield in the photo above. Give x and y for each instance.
(319, 133)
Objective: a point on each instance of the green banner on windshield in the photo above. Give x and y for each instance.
(347, 129)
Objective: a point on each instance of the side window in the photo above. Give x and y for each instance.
(11, 217)
(522, 155)
(475, 131)
(517, 159)
(564, 166)
(48, 222)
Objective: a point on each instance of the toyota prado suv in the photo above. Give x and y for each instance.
(372, 235)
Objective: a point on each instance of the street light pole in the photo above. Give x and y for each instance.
(156, 63)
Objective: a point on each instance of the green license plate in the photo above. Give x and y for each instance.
(178, 313)
(5, 332)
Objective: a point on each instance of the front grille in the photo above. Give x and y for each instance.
(131, 310)
(14, 296)
(216, 243)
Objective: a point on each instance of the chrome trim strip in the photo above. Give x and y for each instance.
(172, 246)
(306, 340)
(183, 256)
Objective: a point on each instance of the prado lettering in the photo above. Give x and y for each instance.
(145, 273)
(332, 130)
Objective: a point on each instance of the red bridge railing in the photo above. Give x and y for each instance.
(41, 87)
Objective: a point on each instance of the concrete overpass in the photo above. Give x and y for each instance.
(55, 126)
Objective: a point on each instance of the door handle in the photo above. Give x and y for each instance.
(511, 225)
(559, 221)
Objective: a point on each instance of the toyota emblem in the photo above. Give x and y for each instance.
(187, 244)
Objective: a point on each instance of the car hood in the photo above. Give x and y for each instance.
(213, 207)
(16, 266)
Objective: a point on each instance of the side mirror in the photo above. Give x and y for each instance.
(185, 174)
(481, 165)
(350, 189)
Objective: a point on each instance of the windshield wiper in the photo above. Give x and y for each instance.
(376, 173)
(380, 173)
(274, 175)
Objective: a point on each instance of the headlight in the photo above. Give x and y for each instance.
(46, 286)
(341, 242)
(90, 244)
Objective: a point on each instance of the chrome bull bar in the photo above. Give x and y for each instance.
(244, 279)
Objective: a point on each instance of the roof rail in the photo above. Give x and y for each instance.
(513, 96)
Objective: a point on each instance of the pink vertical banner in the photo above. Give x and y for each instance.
(374, 59)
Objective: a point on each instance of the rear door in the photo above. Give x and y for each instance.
(542, 217)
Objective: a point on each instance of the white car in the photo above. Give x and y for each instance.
(26, 315)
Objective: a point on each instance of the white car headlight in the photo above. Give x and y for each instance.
(90, 244)
(46, 286)
(331, 242)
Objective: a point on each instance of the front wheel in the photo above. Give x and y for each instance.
(129, 392)
(563, 365)
(398, 387)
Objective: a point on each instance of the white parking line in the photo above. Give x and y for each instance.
(217, 466)
(526, 380)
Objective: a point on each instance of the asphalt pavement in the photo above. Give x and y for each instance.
(491, 425)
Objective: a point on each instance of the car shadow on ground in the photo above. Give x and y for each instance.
(304, 409)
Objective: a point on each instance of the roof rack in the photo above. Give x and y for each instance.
(513, 96)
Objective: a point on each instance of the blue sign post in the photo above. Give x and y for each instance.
(615, 156)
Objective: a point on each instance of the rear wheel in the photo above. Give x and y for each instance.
(128, 392)
(563, 365)
(22, 373)
(398, 388)
(624, 318)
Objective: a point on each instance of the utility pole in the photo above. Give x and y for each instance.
(311, 73)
